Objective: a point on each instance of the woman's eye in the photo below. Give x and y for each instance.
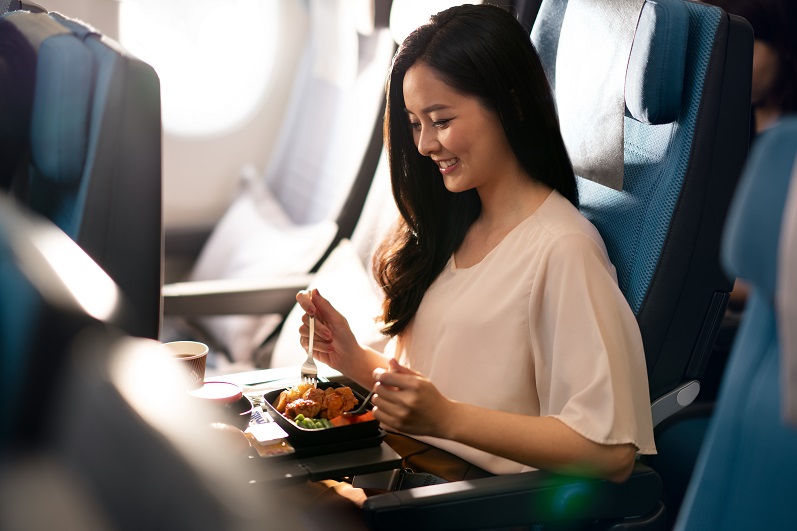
(440, 124)
(416, 126)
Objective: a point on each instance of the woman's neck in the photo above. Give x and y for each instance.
(502, 210)
(507, 205)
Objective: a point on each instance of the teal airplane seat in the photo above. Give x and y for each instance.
(85, 148)
(744, 477)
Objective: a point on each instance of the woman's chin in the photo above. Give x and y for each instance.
(454, 184)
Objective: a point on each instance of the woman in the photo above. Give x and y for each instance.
(503, 307)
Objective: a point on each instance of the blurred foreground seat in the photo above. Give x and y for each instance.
(94, 434)
(745, 474)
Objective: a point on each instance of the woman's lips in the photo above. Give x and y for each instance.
(447, 166)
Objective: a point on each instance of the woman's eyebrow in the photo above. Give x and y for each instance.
(430, 108)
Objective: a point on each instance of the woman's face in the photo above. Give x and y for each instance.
(466, 141)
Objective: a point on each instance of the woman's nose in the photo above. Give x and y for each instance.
(427, 141)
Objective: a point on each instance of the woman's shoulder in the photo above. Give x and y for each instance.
(556, 234)
(561, 220)
(570, 239)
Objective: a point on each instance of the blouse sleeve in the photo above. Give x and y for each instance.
(589, 359)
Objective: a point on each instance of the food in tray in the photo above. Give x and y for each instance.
(313, 408)
(312, 424)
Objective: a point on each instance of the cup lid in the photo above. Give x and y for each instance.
(223, 392)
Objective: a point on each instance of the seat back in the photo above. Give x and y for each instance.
(745, 470)
(50, 290)
(684, 147)
(93, 140)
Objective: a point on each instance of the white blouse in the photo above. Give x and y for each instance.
(538, 327)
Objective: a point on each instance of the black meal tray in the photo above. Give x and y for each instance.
(316, 442)
(342, 446)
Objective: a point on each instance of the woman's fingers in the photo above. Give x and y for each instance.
(321, 340)
(321, 305)
(305, 301)
(406, 400)
(322, 331)
(407, 381)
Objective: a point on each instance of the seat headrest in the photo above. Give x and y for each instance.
(61, 108)
(62, 96)
(752, 231)
(655, 76)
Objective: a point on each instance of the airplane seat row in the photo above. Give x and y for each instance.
(85, 125)
(662, 228)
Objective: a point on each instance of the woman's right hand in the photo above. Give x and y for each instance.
(333, 343)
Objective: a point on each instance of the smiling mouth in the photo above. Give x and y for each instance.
(446, 165)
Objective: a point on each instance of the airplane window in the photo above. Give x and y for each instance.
(214, 59)
(405, 15)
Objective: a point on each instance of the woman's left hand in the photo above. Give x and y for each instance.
(407, 401)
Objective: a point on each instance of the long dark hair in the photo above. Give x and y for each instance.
(484, 52)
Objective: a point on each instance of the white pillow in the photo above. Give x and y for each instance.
(344, 282)
(256, 239)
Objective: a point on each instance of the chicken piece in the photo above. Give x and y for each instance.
(289, 395)
(314, 394)
(349, 400)
(309, 404)
(336, 401)
(308, 408)
(333, 405)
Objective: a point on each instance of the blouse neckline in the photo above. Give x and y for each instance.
(452, 263)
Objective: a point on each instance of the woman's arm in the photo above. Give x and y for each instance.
(334, 343)
(410, 403)
(541, 442)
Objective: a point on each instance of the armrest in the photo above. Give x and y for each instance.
(515, 499)
(674, 401)
(233, 296)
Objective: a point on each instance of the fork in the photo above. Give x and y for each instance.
(309, 369)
